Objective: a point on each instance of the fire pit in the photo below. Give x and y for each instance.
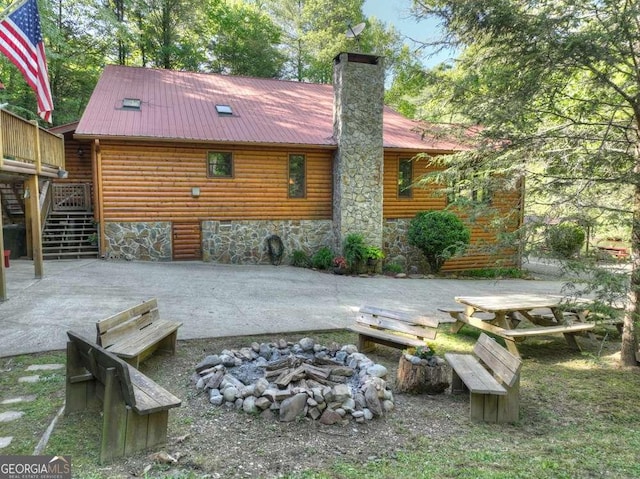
(287, 380)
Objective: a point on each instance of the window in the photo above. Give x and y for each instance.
(219, 164)
(224, 110)
(297, 176)
(469, 187)
(131, 103)
(405, 178)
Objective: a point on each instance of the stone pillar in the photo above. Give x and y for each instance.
(358, 163)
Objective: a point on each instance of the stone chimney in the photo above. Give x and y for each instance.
(358, 81)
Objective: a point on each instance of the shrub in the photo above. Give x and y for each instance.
(565, 240)
(393, 268)
(440, 235)
(354, 250)
(300, 259)
(373, 252)
(322, 259)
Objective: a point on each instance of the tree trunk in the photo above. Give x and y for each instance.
(421, 378)
(629, 345)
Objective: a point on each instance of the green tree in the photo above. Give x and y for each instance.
(555, 87)
(243, 40)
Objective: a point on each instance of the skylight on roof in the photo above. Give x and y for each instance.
(131, 103)
(224, 110)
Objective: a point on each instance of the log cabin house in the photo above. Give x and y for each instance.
(191, 166)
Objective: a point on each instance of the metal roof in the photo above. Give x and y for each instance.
(177, 105)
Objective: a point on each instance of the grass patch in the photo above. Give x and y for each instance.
(579, 418)
(492, 273)
(49, 397)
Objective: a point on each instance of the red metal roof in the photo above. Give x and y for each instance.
(179, 105)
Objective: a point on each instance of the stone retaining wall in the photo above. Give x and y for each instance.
(244, 242)
(138, 241)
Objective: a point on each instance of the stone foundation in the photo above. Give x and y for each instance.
(138, 241)
(244, 242)
(396, 248)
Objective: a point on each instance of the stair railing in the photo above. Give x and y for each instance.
(71, 197)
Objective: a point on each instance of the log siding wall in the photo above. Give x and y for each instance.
(154, 182)
(398, 212)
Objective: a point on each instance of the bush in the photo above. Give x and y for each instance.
(300, 259)
(354, 250)
(323, 258)
(440, 235)
(565, 240)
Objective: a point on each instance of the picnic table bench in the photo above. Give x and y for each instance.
(492, 380)
(136, 333)
(135, 410)
(500, 314)
(395, 329)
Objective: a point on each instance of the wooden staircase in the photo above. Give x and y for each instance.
(69, 234)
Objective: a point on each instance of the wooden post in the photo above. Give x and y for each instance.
(3, 278)
(36, 154)
(36, 226)
(97, 191)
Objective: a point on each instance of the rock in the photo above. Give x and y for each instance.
(262, 403)
(317, 348)
(341, 392)
(228, 360)
(265, 351)
(341, 412)
(342, 371)
(341, 356)
(312, 403)
(360, 401)
(293, 407)
(255, 347)
(200, 384)
(282, 344)
(208, 362)
(349, 405)
(330, 417)
(357, 414)
(246, 391)
(401, 275)
(230, 394)
(314, 413)
(349, 349)
(388, 405)
(249, 405)
(260, 386)
(306, 344)
(238, 403)
(377, 370)
(368, 415)
(373, 402)
(388, 395)
(216, 398)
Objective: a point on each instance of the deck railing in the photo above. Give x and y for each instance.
(20, 141)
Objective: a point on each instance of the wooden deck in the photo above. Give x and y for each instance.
(28, 153)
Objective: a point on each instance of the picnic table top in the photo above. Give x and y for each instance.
(514, 302)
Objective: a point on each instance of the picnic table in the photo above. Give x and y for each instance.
(501, 314)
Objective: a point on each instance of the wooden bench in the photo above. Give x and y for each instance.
(135, 333)
(392, 328)
(493, 383)
(135, 410)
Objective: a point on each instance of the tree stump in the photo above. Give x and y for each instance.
(418, 377)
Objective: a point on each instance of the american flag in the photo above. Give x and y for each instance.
(21, 41)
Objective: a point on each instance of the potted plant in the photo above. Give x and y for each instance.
(340, 265)
(373, 255)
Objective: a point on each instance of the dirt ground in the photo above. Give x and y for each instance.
(208, 441)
